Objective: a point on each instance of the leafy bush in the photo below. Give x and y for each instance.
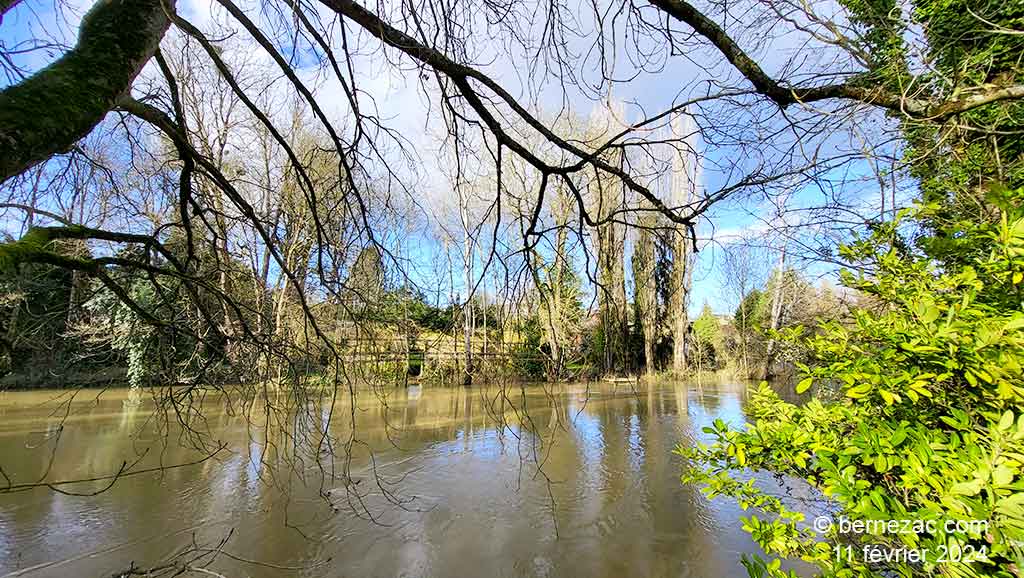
(918, 415)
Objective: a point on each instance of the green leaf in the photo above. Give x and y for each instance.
(1002, 476)
(859, 391)
(1006, 422)
(804, 385)
(887, 396)
(928, 312)
(970, 488)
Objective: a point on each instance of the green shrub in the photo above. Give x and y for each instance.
(917, 415)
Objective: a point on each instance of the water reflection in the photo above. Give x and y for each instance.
(606, 501)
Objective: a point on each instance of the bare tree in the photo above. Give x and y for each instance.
(742, 273)
(775, 126)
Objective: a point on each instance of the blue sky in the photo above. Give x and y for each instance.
(406, 105)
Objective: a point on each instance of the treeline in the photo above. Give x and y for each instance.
(63, 328)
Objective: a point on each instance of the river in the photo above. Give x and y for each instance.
(457, 490)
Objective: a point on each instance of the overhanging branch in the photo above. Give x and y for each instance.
(53, 109)
(854, 89)
(462, 75)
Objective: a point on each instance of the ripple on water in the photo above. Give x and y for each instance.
(470, 498)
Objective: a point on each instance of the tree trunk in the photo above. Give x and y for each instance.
(50, 111)
(684, 183)
(612, 292)
(776, 317)
(558, 330)
(645, 292)
(680, 300)
(467, 273)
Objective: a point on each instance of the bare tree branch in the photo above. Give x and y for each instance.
(853, 89)
(50, 111)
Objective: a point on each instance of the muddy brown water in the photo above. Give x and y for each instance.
(457, 491)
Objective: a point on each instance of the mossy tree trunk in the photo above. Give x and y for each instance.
(50, 111)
